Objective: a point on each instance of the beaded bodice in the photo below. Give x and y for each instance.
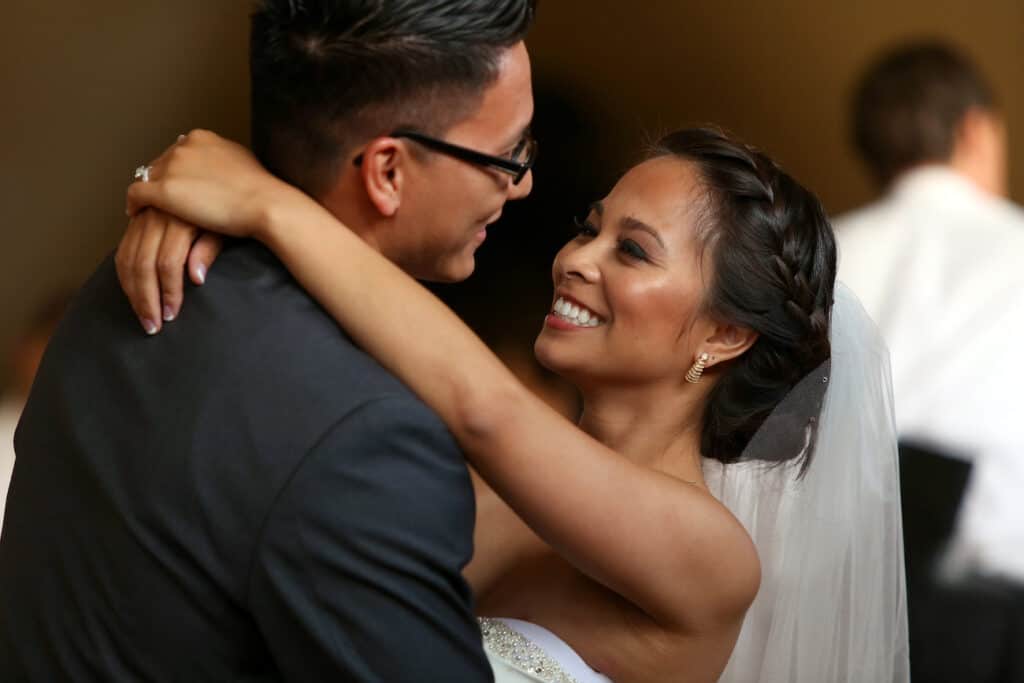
(513, 648)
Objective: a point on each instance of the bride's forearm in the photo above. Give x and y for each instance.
(605, 514)
(405, 327)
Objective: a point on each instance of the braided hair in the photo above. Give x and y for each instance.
(773, 259)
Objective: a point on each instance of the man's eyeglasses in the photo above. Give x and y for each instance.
(517, 164)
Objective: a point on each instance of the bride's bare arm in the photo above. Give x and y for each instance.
(662, 544)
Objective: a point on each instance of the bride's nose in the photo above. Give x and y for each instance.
(577, 261)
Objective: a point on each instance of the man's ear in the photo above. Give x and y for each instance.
(382, 169)
(726, 342)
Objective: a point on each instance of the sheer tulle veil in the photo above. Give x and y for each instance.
(832, 604)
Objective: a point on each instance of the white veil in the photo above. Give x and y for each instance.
(832, 606)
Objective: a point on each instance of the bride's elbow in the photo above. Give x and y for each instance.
(724, 581)
(748, 581)
(740, 580)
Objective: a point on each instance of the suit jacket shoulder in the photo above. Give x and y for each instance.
(247, 455)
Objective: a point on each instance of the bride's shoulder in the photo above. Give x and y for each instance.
(724, 561)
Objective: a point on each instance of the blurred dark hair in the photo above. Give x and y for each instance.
(908, 105)
(773, 259)
(329, 74)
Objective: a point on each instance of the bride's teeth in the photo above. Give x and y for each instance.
(575, 313)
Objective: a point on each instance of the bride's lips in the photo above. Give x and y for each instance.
(552, 320)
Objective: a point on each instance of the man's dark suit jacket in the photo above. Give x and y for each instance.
(244, 497)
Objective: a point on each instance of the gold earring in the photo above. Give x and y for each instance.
(697, 369)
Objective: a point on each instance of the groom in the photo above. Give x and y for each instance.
(248, 496)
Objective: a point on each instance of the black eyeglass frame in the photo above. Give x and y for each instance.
(516, 169)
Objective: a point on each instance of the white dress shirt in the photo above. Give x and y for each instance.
(939, 265)
(10, 411)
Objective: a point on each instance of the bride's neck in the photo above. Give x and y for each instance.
(658, 429)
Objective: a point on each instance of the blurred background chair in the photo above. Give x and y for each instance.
(967, 628)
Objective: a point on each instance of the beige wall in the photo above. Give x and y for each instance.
(91, 89)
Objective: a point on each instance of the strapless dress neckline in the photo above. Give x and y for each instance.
(521, 652)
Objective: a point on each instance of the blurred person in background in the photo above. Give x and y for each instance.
(937, 263)
(26, 354)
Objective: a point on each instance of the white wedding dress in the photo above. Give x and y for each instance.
(521, 652)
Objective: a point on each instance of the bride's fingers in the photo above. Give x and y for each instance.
(124, 258)
(204, 252)
(174, 250)
(145, 294)
(142, 194)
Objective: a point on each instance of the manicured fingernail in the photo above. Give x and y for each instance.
(201, 273)
(168, 314)
(149, 326)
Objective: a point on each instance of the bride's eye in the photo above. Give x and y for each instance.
(632, 250)
(583, 228)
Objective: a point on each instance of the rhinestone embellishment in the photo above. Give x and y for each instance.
(516, 649)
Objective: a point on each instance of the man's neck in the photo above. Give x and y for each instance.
(352, 209)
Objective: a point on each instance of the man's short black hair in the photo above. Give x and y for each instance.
(329, 74)
(908, 106)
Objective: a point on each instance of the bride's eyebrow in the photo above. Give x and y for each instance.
(631, 223)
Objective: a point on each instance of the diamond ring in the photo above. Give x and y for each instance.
(142, 173)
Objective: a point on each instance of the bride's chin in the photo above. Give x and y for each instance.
(545, 355)
(570, 369)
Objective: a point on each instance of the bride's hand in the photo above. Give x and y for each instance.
(201, 180)
(210, 182)
(151, 261)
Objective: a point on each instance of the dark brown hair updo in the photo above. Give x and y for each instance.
(773, 259)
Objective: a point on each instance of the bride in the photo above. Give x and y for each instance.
(730, 437)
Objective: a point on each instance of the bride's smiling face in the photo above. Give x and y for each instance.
(629, 286)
